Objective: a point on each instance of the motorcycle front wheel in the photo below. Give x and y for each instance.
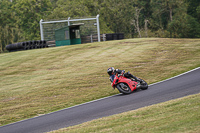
(123, 88)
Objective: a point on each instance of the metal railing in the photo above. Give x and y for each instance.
(68, 21)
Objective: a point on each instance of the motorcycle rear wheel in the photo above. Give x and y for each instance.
(123, 88)
(144, 85)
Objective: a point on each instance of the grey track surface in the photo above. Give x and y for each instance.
(177, 87)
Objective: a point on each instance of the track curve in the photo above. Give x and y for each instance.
(176, 87)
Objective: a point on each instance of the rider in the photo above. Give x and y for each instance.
(111, 71)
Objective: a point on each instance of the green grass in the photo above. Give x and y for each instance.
(180, 116)
(37, 82)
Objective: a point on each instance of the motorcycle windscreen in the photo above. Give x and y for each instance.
(112, 78)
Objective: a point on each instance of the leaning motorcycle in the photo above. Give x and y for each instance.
(126, 85)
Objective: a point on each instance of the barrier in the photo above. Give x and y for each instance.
(27, 45)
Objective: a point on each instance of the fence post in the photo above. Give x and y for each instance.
(98, 29)
(91, 38)
(41, 30)
(68, 21)
(104, 37)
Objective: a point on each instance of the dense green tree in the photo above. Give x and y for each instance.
(77, 9)
(163, 12)
(69, 8)
(198, 13)
(193, 7)
(29, 13)
(184, 26)
(53, 2)
(19, 20)
(9, 30)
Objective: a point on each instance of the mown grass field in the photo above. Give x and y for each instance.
(40, 81)
(175, 116)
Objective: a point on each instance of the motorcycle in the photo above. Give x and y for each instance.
(126, 85)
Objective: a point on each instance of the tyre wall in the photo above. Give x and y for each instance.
(26, 45)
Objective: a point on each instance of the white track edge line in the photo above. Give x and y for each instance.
(175, 76)
(99, 99)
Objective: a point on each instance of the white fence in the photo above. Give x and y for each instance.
(47, 31)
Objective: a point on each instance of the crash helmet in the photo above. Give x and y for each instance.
(110, 70)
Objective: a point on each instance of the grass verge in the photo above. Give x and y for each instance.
(181, 116)
(40, 81)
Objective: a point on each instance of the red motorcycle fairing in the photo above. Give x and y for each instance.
(122, 79)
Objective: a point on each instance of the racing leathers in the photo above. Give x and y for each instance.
(127, 74)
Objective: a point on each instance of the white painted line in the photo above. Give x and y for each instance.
(121, 93)
(101, 98)
(176, 76)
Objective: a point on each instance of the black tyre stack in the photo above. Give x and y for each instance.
(27, 45)
(114, 36)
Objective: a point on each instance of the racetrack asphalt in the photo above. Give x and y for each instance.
(173, 88)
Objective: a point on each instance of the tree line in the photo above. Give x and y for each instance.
(19, 19)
